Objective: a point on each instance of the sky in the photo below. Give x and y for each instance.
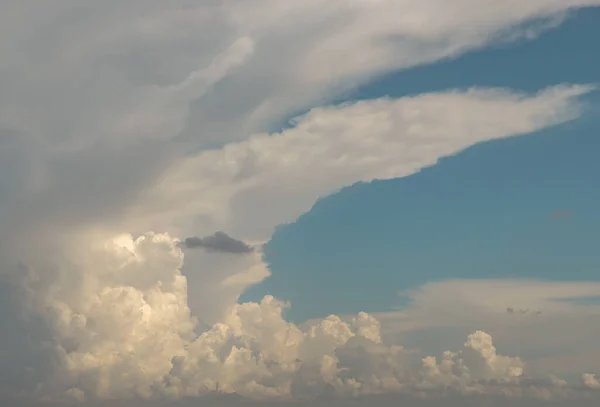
(303, 202)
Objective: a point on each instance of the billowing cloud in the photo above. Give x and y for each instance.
(218, 242)
(123, 329)
(589, 380)
(119, 118)
(540, 328)
(118, 327)
(119, 321)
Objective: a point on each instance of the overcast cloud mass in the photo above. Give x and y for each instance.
(128, 127)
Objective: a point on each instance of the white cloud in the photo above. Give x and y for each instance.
(247, 188)
(477, 360)
(557, 334)
(127, 52)
(251, 186)
(104, 108)
(589, 380)
(121, 328)
(117, 309)
(86, 87)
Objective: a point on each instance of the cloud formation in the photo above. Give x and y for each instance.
(251, 186)
(98, 101)
(440, 312)
(218, 242)
(120, 118)
(123, 329)
(117, 312)
(589, 380)
(117, 315)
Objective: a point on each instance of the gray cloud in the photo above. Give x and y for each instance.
(218, 242)
(522, 311)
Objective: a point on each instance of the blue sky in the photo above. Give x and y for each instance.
(523, 207)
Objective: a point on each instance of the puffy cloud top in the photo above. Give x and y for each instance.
(116, 333)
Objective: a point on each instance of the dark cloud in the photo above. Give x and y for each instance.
(219, 242)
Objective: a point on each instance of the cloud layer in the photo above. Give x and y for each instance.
(97, 101)
(251, 186)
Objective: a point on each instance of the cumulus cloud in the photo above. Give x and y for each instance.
(119, 327)
(123, 329)
(589, 380)
(117, 118)
(439, 313)
(218, 242)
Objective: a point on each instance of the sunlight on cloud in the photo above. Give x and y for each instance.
(527, 316)
(121, 328)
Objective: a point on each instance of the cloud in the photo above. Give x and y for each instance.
(100, 101)
(589, 380)
(123, 329)
(249, 187)
(252, 186)
(440, 312)
(218, 242)
(121, 323)
(122, 117)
